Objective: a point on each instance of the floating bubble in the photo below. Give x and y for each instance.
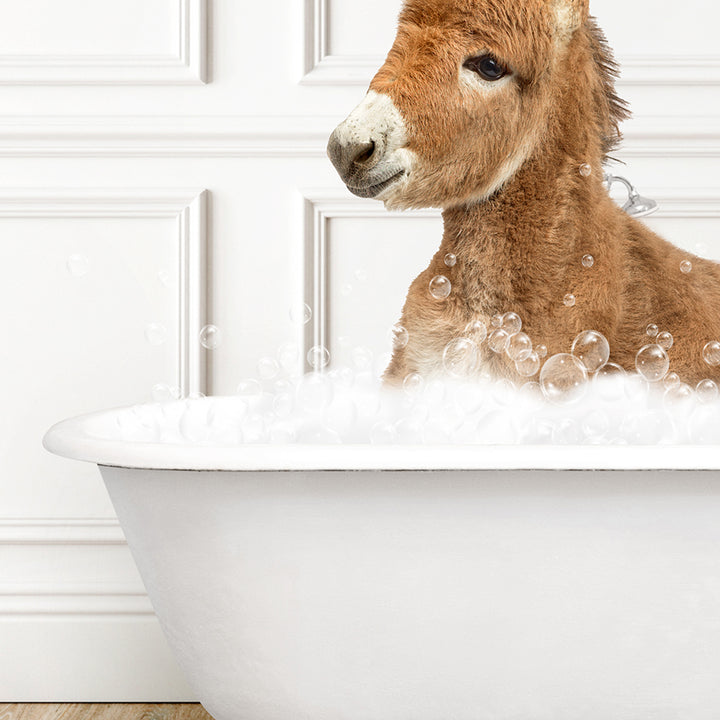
(362, 357)
(288, 355)
(78, 265)
(672, 378)
(652, 330)
(450, 260)
(399, 337)
(476, 331)
(678, 394)
(563, 379)
(707, 391)
(346, 289)
(511, 323)
(440, 287)
(268, 368)
(460, 357)
(155, 333)
(592, 349)
(685, 267)
(585, 170)
(711, 353)
(652, 362)
(664, 340)
(588, 261)
(161, 392)
(498, 340)
(318, 357)
(413, 383)
(497, 320)
(249, 388)
(541, 351)
(210, 337)
(300, 314)
(527, 363)
(518, 343)
(569, 300)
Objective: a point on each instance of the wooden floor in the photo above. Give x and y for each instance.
(103, 711)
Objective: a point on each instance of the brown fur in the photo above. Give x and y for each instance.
(521, 248)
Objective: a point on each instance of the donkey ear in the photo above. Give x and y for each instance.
(569, 15)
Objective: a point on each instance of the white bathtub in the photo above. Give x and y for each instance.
(416, 583)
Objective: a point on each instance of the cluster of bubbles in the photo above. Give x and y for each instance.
(578, 397)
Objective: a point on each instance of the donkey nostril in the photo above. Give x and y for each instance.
(365, 152)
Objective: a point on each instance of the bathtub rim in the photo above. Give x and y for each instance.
(70, 439)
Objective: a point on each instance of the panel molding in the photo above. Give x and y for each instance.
(694, 136)
(187, 207)
(322, 205)
(61, 531)
(187, 66)
(323, 68)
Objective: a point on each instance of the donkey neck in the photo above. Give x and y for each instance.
(516, 246)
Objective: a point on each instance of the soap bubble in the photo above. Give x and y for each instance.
(268, 368)
(678, 396)
(413, 383)
(652, 330)
(460, 357)
(711, 353)
(707, 390)
(450, 260)
(588, 261)
(498, 340)
(161, 392)
(283, 404)
(77, 265)
(155, 333)
(314, 392)
(288, 355)
(541, 351)
(362, 357)
(609, 381)
(399, 337)
(249, 388)
(563, 379)
(569, 300)
(346, 289)
(672, 378)
(300, 314)
(685, 267)
(664, 340)
(511, 323)
(318, 357)
(476, 331)
(585, 170)
(440, 287)
(527, 363)
(518, 343)
(383, 433)
(210, 337)
(592, 349)
(497, 320)
(652, 362)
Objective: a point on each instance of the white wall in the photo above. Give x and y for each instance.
(178, 145)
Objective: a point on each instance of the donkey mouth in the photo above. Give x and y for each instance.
(373, 190)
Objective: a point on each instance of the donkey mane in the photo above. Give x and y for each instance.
(611, 108)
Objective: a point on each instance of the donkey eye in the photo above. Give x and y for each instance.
(487, 67)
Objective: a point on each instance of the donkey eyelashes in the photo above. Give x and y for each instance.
(487, 66)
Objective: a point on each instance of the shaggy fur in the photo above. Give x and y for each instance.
(519, 248)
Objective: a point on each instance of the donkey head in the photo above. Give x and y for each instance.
(464, 97)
